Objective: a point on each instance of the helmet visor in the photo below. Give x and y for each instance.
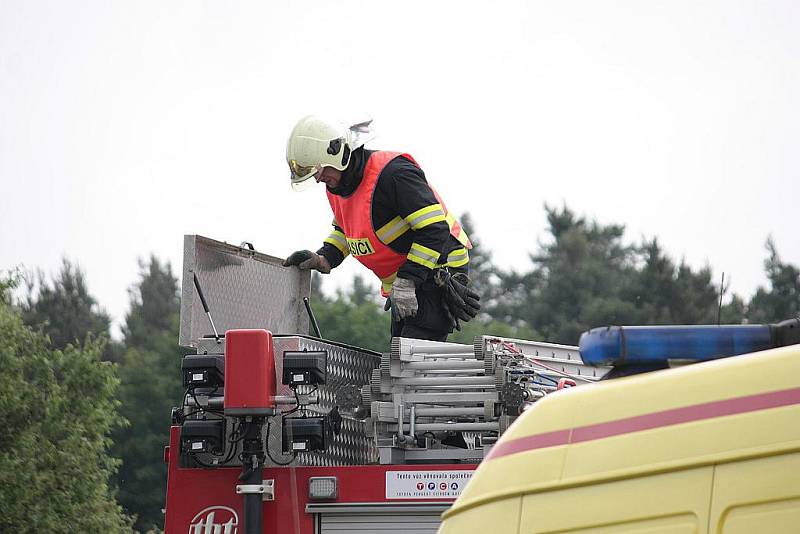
(302, 173)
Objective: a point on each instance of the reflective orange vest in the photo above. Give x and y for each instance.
(354, 215)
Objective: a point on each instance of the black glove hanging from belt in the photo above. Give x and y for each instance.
(460, 302)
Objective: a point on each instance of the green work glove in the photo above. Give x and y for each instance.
(305, 259)
(404, 298)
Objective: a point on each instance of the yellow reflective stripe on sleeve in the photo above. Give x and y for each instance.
(457, 258)
(426, 216)
(338, 240)
(392, 230)
(423, 255)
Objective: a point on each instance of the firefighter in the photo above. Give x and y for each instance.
(391, 220)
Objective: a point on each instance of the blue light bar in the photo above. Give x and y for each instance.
(616, 345)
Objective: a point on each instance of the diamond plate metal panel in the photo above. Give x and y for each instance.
(243, 289)
(346, 366)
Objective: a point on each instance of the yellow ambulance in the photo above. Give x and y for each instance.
(705, 448)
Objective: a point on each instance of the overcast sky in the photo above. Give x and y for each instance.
(125, 125)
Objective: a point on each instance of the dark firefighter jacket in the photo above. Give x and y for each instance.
(402, 200)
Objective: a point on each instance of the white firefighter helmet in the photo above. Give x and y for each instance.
(317, 142)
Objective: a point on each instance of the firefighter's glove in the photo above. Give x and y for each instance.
(404, 298)
(305, 259)
(460, 302)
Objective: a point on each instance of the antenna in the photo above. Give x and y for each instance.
(721, 291)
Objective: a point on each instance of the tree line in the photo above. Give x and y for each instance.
(106, 428)
(583, 274)
(86, 417)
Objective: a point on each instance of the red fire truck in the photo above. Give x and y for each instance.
(283, 432)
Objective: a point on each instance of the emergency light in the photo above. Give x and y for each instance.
(623, 345)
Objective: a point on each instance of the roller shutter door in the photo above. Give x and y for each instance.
(416, 523)
(381, 520)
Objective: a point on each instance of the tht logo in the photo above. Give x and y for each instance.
(215, 520)
(420, 486)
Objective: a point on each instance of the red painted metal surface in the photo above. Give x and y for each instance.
(194, 494)
(249, 371)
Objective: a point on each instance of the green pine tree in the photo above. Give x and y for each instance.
(64, 309)
(782, 299)
(151, 385)
(666, 293)
(586, 276)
